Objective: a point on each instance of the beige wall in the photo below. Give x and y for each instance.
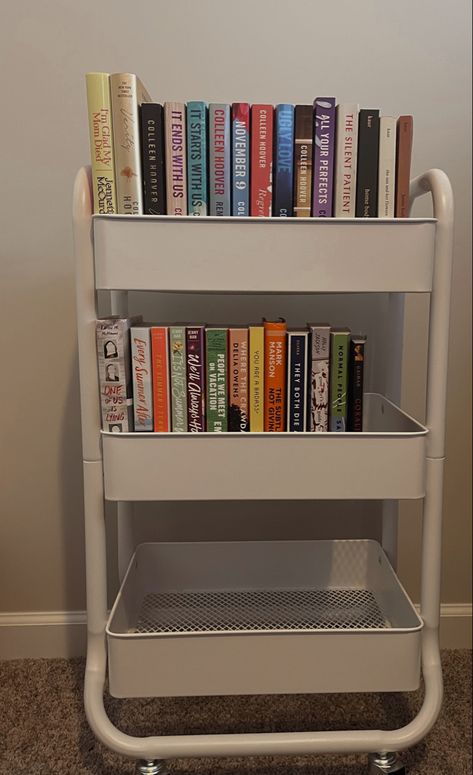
(405, 57)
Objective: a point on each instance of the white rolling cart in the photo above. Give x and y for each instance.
(266, 616)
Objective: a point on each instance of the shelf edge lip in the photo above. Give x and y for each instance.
(237, 633)
(266, 434)
(255, 219)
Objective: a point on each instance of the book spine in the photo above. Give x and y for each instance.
(405, 133)
(324, 154)
(387, 167)
(283, 183)
(368, 162)
(319, 378)
(177, 357)
(261, 160)
(160, 375)
(216, 357)
(256, 378)
(346, 153)
(275, 351)
(176, 159)
(140, 337)
(195, 354)
(303, 148)
(113, 353)
(238, 410)
(297, 349)
(240, 159)
(339, 347)
(355, 383)
(197, 195)
(101, 143)
(152, 159)
(219, 159)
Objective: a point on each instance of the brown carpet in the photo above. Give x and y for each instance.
(43, 730)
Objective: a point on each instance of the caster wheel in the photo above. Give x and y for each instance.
(387, 763)
(152, 767)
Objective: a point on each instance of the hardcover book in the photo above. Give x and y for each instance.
(346, 153)
(160, 375)
(261, 160)
(238, 409)
(219, 159)
(176, 158)
(114, 367)
(178, 368)
(127, 93)
(275, 350)
(283, 161)
(240, 159)
(297, 352)
(256, 378)
(152, 159)
(319, 377)
(195, 354)
(216, 357)
(324, 154)
(405, 132)
(141, 366)
(387, 167)
(368, 162)
(355, 383)
(303, 147)
(197, 193)
(339, 352)
(101, 143)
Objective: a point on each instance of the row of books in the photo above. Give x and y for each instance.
(320, 160)
(195, 378)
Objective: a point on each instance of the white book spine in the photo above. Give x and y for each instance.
(346, 152)
(387, 167)
(127, 93)
(113, 354)
(140, 337)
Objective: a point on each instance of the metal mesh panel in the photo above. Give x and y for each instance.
(260, 610)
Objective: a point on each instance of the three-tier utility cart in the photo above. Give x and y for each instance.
(266, 616)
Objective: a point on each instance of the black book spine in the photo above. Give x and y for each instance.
(152, 158)
(297, 352)
(355, 384)
(368, 158)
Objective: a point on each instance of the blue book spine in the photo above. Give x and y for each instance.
(283, 184)
(197, 188)
(240, 159)
(219, 159)
(297, 360)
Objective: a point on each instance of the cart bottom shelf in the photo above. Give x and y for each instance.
(261, 618)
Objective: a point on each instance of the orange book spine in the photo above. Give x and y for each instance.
(160, 371)
(275, 357)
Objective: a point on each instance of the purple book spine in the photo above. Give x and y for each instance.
(195, 378)
(324, 155)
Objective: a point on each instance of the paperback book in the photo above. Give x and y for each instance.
(114, 367)
(324, 154)
(152, 159)
(240, 159)
(256, 378)
(176, 158)
(303, 147)
(178, 369)
(346, 160)
(355, 381)
(405, 130)
(368, 163)
(387, 167)
(319, 377)
(339, 353)
(219, 159)
(160, 372)
(101, 143)
(195, 354)
(297, 359)
(197, 189)
(275, 353)
(238, 410)
(283, 161)
(261, 160)
(216, 357)
(141, 364)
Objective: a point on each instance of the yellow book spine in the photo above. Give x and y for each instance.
(101, 143)
(256, 379)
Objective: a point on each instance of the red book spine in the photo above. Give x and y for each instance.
(160, 371)
(261, 160)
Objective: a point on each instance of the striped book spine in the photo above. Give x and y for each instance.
(240, 159)
(176, 158)
(197, 193)
(261, 160)
(283, 183)
(219, 159)
(160, 370)
(177, 358)
(303, 147)
(256, 378)
(324, 155)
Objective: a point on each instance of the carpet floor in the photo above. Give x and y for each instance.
(43, 730)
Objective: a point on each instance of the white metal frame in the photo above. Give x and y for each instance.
(366, 741)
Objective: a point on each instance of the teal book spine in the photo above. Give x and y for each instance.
(177, 358)
(197, 151)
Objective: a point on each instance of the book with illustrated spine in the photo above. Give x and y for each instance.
(297, 352)
(176, 158)
(355, 383)
(197, 194)
(405, 130)
(319, 377)
(114, 367)
(178, 367)
(324, 154)
(195, 373)
(368, 162)
(216, 358)
(275, 351)
(160, 373)
(238, 403)
(256, 378)
(152, 158)
(261, 160)
(346, 152)
(127, 94)
(141, 366)
(240, 159)
(283, 171)
(219, 159)
(339, 354)
(303, 147)
(101, 143)
(387, 167)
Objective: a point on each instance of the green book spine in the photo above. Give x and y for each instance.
(339, 351)
(177, 346)
(217, 375)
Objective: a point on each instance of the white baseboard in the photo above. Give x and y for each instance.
(52, 634)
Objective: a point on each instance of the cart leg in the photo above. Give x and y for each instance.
(152, 767)
(387, 763)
